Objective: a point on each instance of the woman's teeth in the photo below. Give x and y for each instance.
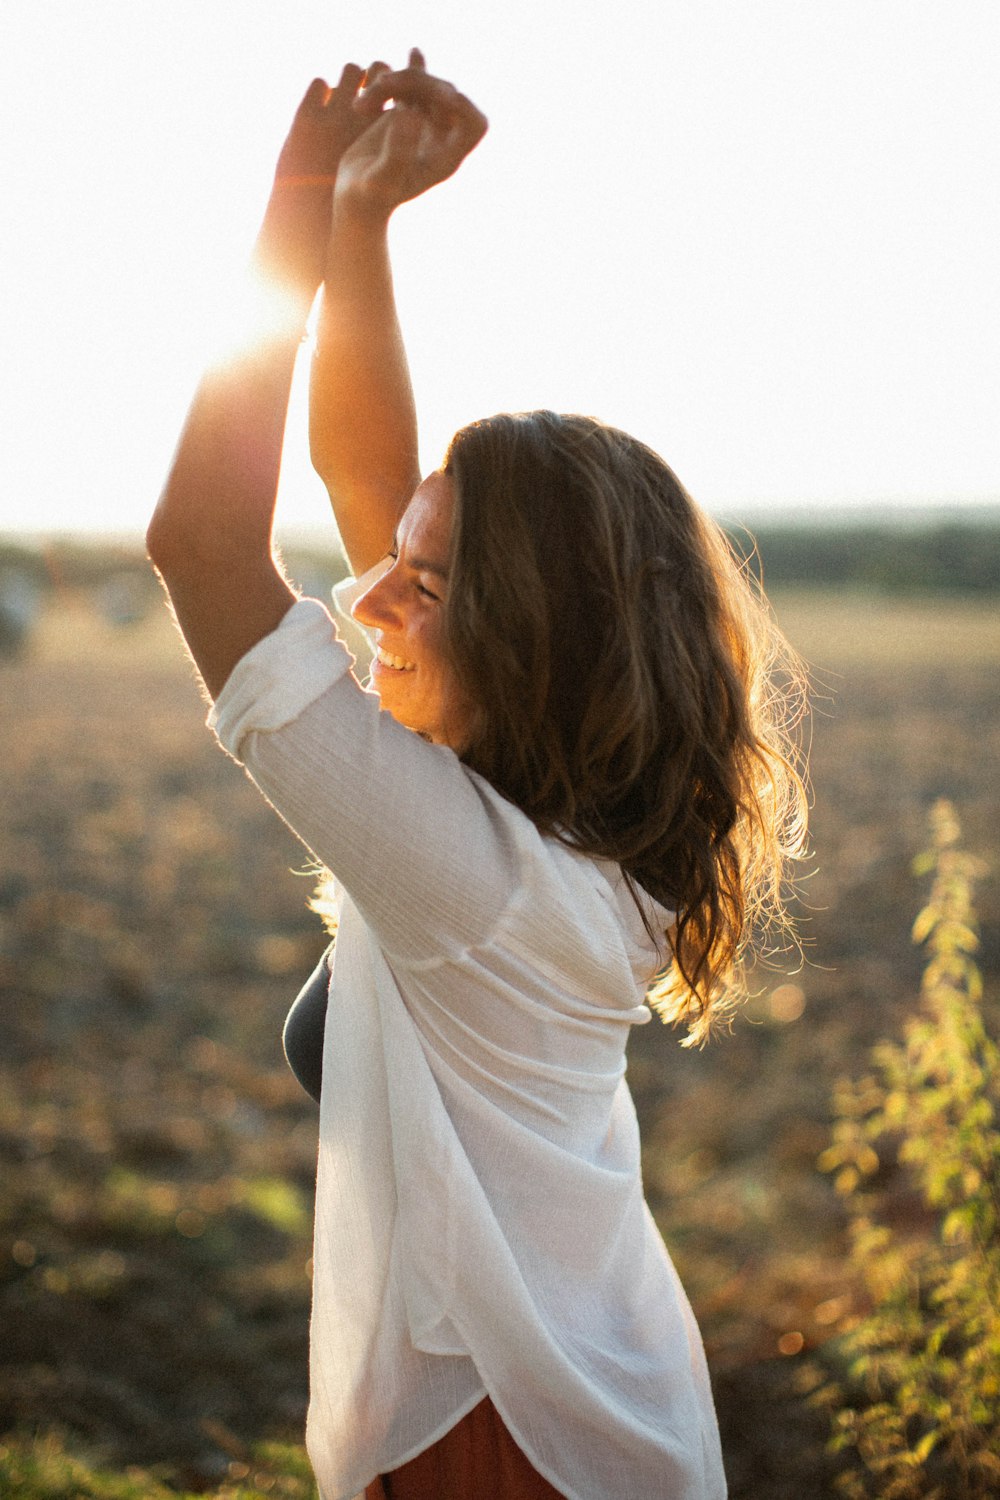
(396, 662)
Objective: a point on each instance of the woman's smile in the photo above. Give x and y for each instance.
(405, 609)
(385, 658)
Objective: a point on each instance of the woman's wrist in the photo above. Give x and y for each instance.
(358, 243)
(291, 242)
(360, 212)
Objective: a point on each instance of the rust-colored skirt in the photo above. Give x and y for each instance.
(476, 1459)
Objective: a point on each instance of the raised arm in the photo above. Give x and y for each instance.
(210, 537)
(362, 419)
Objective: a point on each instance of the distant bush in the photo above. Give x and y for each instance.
(955, 557)
(918, 1410)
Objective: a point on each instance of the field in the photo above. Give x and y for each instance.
(156, 1157)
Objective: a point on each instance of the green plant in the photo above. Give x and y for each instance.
(916, 1152)
(42, 1467)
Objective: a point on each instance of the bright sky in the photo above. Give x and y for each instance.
(761, 234)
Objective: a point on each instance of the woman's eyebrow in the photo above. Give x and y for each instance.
(419, 564)
(424, 565)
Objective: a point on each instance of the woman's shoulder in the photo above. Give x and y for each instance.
(578, 909)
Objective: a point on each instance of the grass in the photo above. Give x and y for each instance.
(855, 629)
(45, 1468)
(157, 1159)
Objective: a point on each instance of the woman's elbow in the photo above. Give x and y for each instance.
(163, 544)
(157, 538)
(175, 542)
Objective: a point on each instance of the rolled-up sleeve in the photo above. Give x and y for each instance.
(428, 851)
(273, 683)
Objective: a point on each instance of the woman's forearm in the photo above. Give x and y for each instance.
(210, 536)
(362, 418)
(363, 428)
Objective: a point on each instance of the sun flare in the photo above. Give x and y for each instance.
(257, 310)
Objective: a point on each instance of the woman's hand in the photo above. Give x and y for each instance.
(409, 147)
(296, 227)
(326, 122)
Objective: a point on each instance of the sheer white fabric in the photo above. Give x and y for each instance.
(480, 1222)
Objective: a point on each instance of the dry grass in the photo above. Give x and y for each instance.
(156, 1158)
(835, 632)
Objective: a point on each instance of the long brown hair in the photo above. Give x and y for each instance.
(636, 699)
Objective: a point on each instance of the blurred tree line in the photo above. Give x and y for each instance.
(946, 557)
(958, 555)
(955, 556)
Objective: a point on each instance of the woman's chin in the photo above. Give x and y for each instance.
(395, 710)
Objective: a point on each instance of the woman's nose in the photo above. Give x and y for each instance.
(376, 608)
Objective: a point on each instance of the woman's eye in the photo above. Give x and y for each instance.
(427, 593)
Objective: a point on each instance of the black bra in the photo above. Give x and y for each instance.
(303, 1034)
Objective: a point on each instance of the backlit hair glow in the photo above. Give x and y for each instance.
(636, 699)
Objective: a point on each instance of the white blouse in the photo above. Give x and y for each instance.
(480, 1221)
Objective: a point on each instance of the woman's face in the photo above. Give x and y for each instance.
(405, 608)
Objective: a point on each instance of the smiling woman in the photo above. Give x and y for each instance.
(574, 781)
(405, 606)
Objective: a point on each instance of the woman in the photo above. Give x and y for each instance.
(572, 777)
